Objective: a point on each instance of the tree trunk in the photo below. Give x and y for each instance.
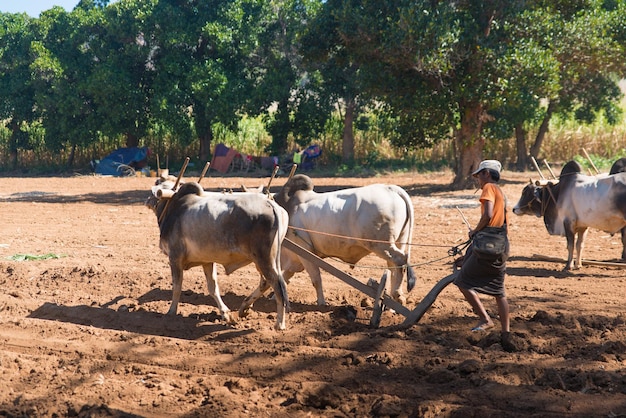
(70, 158)
(280, 128)
(131, 140)
(543, 129)
(204, 132)
(206, 138)
(13, 142)
(469, 145)
(520, 144)
(347, 146)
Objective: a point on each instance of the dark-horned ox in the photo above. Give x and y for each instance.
(201, 228)
(619, 166)
(349, 224)
(575, 203)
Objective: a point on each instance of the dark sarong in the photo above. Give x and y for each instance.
(483, 276)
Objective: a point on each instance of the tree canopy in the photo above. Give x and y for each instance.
(432, 69)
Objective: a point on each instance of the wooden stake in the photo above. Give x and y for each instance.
(537, 167)
(180, 176)
(379, 304)
(269, 183)
(292, 172)
(204, 170)
(591, 162)
(549, 169)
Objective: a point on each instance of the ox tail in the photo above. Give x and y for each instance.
(281, 233)
(408, 225)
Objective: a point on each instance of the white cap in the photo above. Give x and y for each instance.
(488, 164)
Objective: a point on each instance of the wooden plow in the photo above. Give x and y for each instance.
(376, 290)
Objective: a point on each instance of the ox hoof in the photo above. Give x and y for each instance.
(280, 327)
(400, 299)
(243, 312)
(229, 318)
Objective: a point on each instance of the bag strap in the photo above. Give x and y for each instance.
(504, 225)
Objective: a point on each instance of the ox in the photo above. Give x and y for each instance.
(619, 166)
(204, 228)
(577, 202)
(348, 224)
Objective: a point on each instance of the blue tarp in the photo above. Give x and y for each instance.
(118, 162)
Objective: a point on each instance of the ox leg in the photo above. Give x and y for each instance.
(397, 273)
(316, 280)
(280, 295)
(397, 263)
(623, 243)
(569, 236)
(580, 243)
(257, 293)
(177, 284)
(214, 290)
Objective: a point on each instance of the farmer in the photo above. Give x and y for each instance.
(486, 275)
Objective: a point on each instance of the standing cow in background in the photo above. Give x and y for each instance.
(577, 202)
(619, 166)
(349, 224)
(201, 228)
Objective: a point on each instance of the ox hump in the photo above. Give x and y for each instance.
(189, 188)
(300, 182)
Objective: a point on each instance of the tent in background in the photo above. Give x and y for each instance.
(123, 162)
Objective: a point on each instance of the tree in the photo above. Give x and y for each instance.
(122, 78)
(17, 89)
(446, 67)
(323, 51)
(283, 89)
(576, 59)
(64, 67)
(200, 54)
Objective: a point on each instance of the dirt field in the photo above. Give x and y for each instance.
(86, 335)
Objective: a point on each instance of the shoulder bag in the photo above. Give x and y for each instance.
(490, 242)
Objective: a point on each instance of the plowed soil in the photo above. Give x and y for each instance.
(85, 289)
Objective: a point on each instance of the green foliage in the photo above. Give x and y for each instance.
(602, 163)
(250, 136)
(271, 76)
(33, 257)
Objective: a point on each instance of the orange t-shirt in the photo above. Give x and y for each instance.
(491, 192)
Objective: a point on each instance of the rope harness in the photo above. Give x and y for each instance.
(452, 252)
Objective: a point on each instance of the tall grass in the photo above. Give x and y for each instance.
(564, 141)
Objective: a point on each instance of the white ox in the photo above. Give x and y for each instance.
(349, 224)
(204, 228)
(577, 202)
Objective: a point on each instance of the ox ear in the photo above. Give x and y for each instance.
(530, 181)
(155, 189)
